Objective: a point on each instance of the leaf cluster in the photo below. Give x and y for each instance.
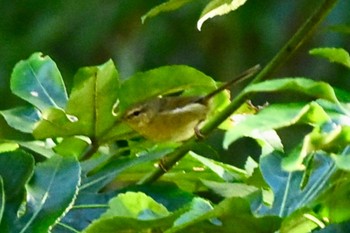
(73, 165)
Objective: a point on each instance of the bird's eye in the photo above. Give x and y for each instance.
(135, 113)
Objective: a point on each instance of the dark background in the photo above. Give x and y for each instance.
(89, 32)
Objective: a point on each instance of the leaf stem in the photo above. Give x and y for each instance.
(93, 148)
(298, 39)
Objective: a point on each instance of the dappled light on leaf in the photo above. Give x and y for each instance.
(217, 8)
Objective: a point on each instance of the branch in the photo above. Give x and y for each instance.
(298, 39)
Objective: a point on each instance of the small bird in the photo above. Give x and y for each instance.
(175, 118)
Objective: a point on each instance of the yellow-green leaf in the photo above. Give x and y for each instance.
(337, 55)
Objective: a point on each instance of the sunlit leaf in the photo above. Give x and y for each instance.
(301, 221)
(274, 117)
(250, 165)
(135, 205)
(337, 55)
(199, 207)
(132, 212)
(38, 81)
(8, 146)
(218, 7)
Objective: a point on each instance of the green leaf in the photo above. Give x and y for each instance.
(233, 215)
(199, 207)
(72, 146)
(274, 117)
(169, 195)
(337, 55)
(218, 7)
(164, 7)
(16, 168)
(135, 205)
(2, 198)
(192, 169)
(330, 137)
(8, 146)
(230, 189)
(301, 221)
(226, 172)
(118, 131)
(289, 188)
(90, 206)
(342, 161)
(22, 118)
(50, 193)
(131, 225)
(163, 80)
(87, 208)
(140, 164)
(132, 212)
(43, 148)
(38, 81)
(56, 123)
(91, 202)
(89, 109)
(250, 165)
(334, 203)
(93, 96)
(305, 86)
